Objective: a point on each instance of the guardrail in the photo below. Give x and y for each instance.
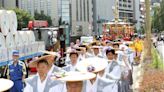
(3, 63)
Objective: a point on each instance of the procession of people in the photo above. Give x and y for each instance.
(109, 62)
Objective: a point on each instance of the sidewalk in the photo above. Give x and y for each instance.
(137, 75)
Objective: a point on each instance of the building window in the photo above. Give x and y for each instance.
(88, 10)
(129, 1)
(17, 3)
(42, 5)
(129, 6)
(35, 4)
(48, 8)
(120, 5)
(124, 5)
(84, 10)
(79, 28)
(77, 13)
(29, 8)
(130, 15)
(81, 10)
(124, 0)
(59, 8)
(65, 7)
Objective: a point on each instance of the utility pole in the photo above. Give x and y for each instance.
(148, 30)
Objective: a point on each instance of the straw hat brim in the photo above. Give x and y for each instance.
(78, 52)
(34, 63)
(51, 53)
(116, 49)
(116, 42)
(96, 47)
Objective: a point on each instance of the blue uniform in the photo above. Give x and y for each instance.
(16, 73)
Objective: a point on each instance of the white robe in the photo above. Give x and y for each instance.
(132, 55)
(69, 68)
(58, 69)
(51, 70)
(84, 56)
(41, 86)
(98, 55)
(67, 56)
(115, 73)
(73, 68)
(111, 88)
(58, 88)
(106, 85)
(91, 87)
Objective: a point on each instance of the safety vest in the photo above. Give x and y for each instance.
(16, 72)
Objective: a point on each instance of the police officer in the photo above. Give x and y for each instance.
(16, 72)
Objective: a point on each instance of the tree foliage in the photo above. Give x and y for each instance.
(155, 18)
(161, 16)
(42, 16)
(23, 18)
(158, 17)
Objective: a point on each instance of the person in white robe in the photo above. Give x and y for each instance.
(113, 71)
(41, 82)
(96, 51)
(51, 57)
(69, 49)
(73, 61)
(106, 85)
(90, 85)
(104, 51)
(85, 52)
(52, 68)
(125, 67)
(77, 43)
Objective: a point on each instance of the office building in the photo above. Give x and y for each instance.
(9, 4)
(77, 14)
(137, 14)
(49, 7)
(127, 11)
(64, 11)
(81, 17)
(103, 12)
(1, 3)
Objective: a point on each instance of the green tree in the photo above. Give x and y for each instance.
(42, 16)
(161, 15)
(148, 31)
(156, 19)
(23, 18)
